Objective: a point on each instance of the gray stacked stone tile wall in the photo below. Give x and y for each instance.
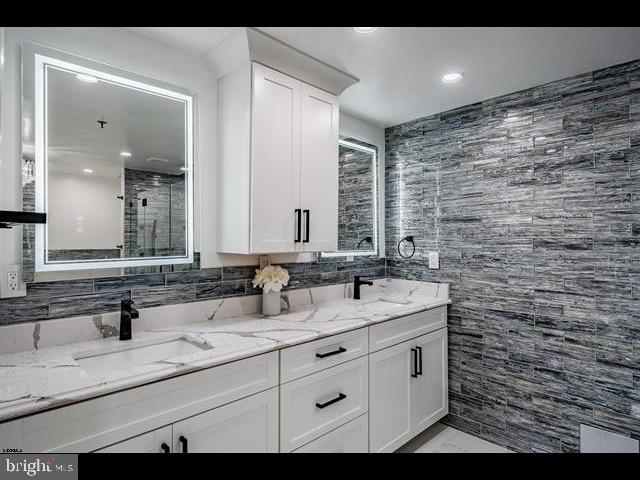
(49, 300)
(533, 201)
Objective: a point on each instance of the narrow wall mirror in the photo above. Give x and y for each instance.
(357, 199)
(112, 164)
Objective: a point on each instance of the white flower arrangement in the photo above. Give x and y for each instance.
(271, 278)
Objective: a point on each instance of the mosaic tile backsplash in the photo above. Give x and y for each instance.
(533, 201)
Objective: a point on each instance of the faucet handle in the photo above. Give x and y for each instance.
(127, 303)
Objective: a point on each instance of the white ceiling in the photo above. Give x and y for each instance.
(400, 67)
(148, 126)
(195, 40)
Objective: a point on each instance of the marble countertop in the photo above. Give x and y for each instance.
(37, 380)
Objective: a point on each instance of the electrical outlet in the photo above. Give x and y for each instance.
(434, 260)
(12, 281)
(11, 284)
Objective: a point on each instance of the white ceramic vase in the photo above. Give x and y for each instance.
(271, 303)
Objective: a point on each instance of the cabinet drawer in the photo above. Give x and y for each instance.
(311, 357)
(398, 330)
(352, 437)
(102, 421)
(316, 404)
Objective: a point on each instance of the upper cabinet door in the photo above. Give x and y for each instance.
(275, 161)
(319, 170)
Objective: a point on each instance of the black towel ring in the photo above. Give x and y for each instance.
(408, 239)
(365, 239)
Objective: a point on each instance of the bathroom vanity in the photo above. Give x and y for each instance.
(330, 374)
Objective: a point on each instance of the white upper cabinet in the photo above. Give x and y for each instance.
(319, 170)
(275, 160)
(278, 164)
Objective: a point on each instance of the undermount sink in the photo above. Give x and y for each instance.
(120, 357)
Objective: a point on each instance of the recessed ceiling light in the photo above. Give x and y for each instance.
(125, 154)
(83, 77)
(87, 170)
(452, 77)
(365, 29)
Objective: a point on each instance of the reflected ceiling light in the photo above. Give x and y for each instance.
(125, 154)
(83, 77)
(452, 77)
(87, 170)
(365, 29)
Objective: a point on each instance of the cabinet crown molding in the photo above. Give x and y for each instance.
(252, 45)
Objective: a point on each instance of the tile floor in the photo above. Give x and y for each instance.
(443, 439)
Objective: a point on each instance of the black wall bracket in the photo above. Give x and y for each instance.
(8, 219)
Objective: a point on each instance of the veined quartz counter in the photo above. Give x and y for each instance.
(39, 379)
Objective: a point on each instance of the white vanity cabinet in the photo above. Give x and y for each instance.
(408, 389)
(369, 389)
(278, 164)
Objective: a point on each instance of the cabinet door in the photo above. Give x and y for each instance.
(157, 441)
(275, 160)
(352, 437)
(319, 169)
(390, 397)
(429, 395)
(247, 425)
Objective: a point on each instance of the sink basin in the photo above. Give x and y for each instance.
(126, 355)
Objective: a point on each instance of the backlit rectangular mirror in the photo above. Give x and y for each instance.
(357, 199)
(113, 164)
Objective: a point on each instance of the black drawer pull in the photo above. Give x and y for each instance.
(414, 367)
(419, 362)
(165, 448)
(328, 354)
(185, 445)
(341, 396)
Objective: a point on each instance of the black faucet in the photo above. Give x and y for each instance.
(127, 312)
(356, 286)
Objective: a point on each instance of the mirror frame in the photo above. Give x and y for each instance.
(35, 60)
(352, 143)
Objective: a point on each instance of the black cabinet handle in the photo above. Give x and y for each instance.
(185, 445)
(414, 367)
(298, 221)
(165, 448)
(341, 396)
(328, 354)
(419, 362)
(307, 215)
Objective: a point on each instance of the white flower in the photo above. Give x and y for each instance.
(271, 278)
